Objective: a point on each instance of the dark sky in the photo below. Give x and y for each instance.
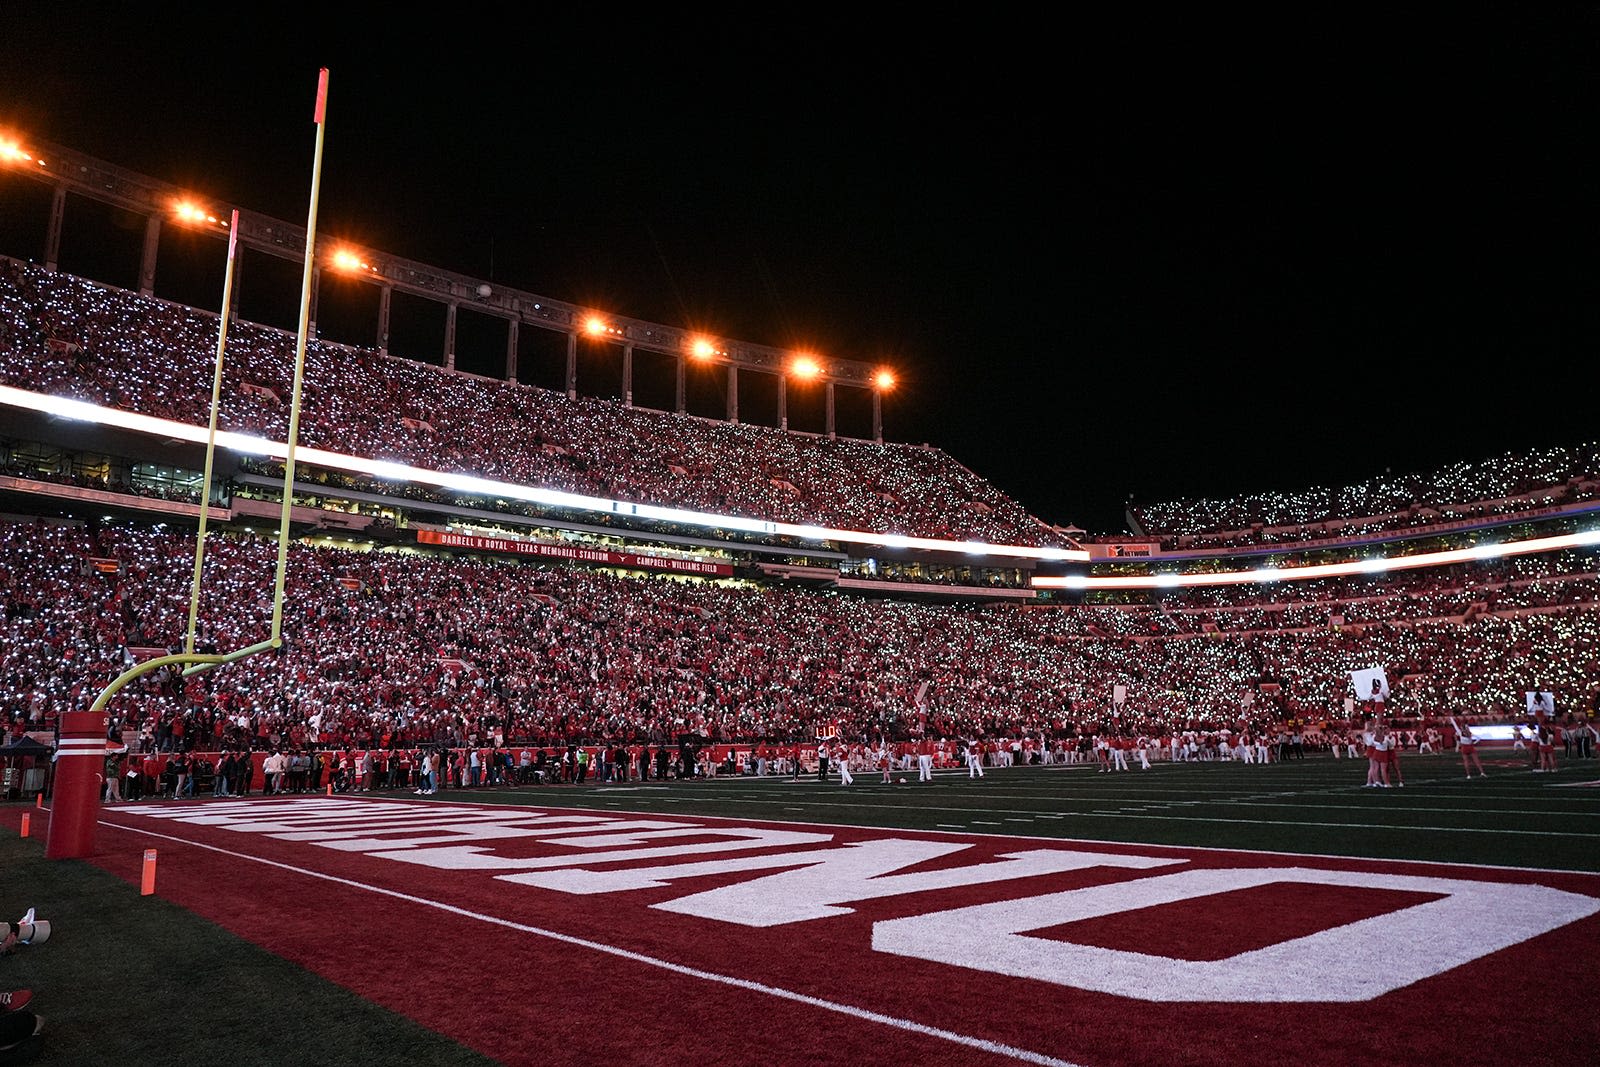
(1160, 253)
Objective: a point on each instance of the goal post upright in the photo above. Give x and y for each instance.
(211, 432)
(299, 362)
(77, 808)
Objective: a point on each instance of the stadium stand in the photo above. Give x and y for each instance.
(69, 337)
(1502, 487)
(393, 645)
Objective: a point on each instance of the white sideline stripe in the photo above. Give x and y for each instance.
(1122, 814)
(1268, 823)
(879, 828)
(967, 1040)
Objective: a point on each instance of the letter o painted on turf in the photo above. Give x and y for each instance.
(1354, 962)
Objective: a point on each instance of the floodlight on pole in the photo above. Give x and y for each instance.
(190, 213)
(13, 152)
(882, 382)
(350, 261)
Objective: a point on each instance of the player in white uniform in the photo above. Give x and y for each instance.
(974, 759)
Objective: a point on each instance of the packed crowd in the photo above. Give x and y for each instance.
(400, 648)
(68, 337)
(1497, 586)
(1512, 484)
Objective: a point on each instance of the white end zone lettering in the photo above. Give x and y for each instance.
(474, 858)
(428, 835)
(826, 878)
(1349, 963)
(784, 874)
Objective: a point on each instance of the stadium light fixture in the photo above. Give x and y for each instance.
(702, 349)
(805, 367)
(11, 151)
(884, 380)
(348, 260)
(192, 214)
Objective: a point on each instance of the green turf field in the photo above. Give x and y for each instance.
(1318, 806)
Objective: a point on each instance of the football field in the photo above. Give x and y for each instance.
(1188, 914)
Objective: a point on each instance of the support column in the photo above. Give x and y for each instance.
(385, 302)
(830, 410)
(316, 295)
(877, 415)
(147, 258)
(681, 408)
(511, 349)
(783, 402)
(450, 335)
(627, 375)
(572, 366)
(733, 393)
(52, 237)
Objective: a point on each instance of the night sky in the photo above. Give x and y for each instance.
(1162, 253)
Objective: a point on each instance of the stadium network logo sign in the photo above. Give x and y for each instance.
(1123, 551)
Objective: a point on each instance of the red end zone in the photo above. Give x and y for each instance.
(647, 938)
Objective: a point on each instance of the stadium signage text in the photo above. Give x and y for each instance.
(1123, 551)
(582, 555)
(777, 875)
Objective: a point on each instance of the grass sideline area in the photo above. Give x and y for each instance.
(129, 979)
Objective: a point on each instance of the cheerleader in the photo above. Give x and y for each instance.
(1546, 740)
(1467, 745)
(1377, 740)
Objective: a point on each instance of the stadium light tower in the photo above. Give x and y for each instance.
(882, 382)
(190, 213)
(803, 367)
(704, 350)
(599, 328)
